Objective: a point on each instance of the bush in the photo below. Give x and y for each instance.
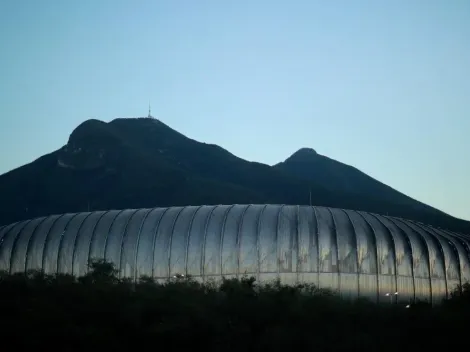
(99, 310)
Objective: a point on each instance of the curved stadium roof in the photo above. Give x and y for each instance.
(357, 253)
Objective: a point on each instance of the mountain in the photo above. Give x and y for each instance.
(141, 162)
(307, 164)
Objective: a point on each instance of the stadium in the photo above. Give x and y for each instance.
(358, 254)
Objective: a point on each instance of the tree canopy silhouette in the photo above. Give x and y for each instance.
(99, 310)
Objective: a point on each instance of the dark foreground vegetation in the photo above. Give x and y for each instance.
(101, 312)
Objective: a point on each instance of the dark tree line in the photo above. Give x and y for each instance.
(98, 310)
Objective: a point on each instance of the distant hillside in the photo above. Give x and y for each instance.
(307, 164)
(142, 162)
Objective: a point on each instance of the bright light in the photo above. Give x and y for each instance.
(387, 294)
(407, 306)
(396, 293)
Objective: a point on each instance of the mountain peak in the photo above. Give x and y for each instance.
(303, 155)
(306, 151)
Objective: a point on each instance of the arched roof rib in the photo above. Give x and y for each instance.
(356, 253)
(386, 259)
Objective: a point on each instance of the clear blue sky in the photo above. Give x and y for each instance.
(381, 85)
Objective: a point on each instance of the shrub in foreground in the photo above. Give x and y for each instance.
(99, 310)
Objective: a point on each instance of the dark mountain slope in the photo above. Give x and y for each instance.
(99, 169)
(307, 164)
(205, 160)
(337, 177)
(131, 163)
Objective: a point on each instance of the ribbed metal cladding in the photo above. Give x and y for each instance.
(356, 253)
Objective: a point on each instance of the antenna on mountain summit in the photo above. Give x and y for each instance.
(150, 112)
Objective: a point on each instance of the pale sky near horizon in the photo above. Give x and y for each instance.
(380, 85)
